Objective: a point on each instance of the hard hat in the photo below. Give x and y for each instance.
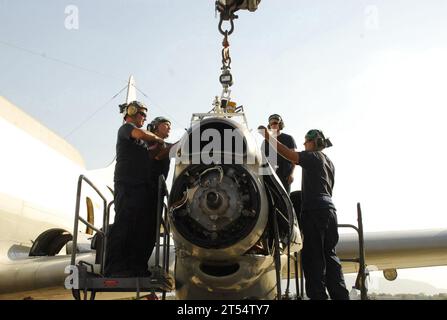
(154, 123)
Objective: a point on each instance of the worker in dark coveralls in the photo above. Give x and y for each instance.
(159, 161)
(322, 268)
(159, 155)
(284, 168)
(128, 247)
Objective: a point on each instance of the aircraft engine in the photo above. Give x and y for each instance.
(223, 201)
(218, 209)
(222, 208)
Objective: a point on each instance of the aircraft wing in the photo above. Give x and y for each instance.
(396, 249)
(390, 250)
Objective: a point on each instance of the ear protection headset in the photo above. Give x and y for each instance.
(280, 121)
(320, 141)
(132, 108)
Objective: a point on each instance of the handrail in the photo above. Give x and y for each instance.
(105, 228)
(91, 226)
(77, 218)
(162, 218)
(167, 232)
(157, 278)
(361, 277)
(159, 218)
(299, 276)
(162, 184)
(277, 255)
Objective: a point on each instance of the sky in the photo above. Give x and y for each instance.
(369, 74)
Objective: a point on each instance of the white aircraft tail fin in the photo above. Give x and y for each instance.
(131, 90)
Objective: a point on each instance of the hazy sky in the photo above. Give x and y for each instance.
(370, 74)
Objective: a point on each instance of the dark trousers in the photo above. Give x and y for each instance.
(132, 237)
(295, 197)
(285, 183)
(322, 268)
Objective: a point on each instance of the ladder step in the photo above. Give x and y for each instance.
(99, 284)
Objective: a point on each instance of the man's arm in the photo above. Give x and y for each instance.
(145, 135)
(292, 145)
(290, 178)
(164, 152)
(287, 153)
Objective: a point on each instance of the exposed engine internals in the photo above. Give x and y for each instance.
(214, 206)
